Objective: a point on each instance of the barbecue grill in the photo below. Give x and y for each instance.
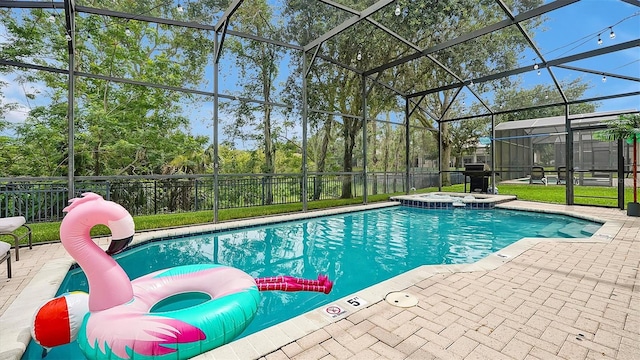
(478, 174)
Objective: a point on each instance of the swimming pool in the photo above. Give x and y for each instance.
(355, 249)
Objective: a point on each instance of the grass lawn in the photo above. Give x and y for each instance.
(585, 195)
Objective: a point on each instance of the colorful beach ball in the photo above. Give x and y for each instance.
(57, 321)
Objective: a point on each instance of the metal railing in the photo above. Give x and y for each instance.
(43, 199)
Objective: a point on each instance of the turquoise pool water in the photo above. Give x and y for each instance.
(356, 250)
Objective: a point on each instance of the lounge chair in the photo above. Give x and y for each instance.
(8, 226)
(562, 175)
(5, 255)
(537, 174)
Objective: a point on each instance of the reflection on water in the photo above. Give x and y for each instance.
(356, 250)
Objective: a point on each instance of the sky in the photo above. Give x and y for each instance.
(569, 30)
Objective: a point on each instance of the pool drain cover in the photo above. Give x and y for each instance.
(401, 299)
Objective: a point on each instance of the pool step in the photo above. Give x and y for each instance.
(573, 230)
(591, 229)
(551, 230)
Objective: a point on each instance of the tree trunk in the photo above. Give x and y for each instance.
(322, 160)
(349, 144)
(269, 156)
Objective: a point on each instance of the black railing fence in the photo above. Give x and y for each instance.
(42, 200)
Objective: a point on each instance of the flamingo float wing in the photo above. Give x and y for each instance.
(137, 334)
(163, 334)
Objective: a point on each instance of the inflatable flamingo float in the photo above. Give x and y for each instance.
(123, 319)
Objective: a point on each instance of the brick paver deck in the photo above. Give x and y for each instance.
(555, 300)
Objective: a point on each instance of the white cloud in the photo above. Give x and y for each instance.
(18, 115)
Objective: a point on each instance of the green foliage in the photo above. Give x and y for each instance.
(625, 127)
(511, 98)
(120, 128)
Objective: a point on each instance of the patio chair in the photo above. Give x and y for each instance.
(562, 176)
(8, 226)
(537, 174)
(5, 255)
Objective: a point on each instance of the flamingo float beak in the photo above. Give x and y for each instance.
(117, 246)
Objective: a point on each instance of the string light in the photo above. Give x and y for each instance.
(599, 40)
(604, 79)
(471, 82)
(612, 35)
(180, 8)
(359, 56)
(398, 10)
(539, 72)
(127, 32)
(535, 67)
(68, 37)
(52, 18)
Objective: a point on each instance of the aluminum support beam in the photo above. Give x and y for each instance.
(569, 156)
(407, 135)
(348, 23)
(532, 44)
(493, 155)
(69, 11)
(340, 6)
(216, 141)
(607, 74)
(364, 139)
(227, 14)
(305, 171)
(477, 33)
(556, 62)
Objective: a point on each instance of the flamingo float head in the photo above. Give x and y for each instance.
(113, 215)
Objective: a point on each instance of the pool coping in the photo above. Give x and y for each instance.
(15, 333)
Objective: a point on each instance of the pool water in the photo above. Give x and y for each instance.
(356, 250)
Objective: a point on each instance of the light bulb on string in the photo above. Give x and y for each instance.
(599, 40)
(127, 32)
(535, 67)
(359, 56)
(471, 82)
(52, 18)
(539, 72)
(398, 10)
(612, 35)
(180, 8)
(68, 37)
(604, 79)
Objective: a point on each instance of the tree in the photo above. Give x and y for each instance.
(516, 97)
(258, 64)
(464, 137)
(120, 128)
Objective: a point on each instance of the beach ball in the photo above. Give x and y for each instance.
(57, 321)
